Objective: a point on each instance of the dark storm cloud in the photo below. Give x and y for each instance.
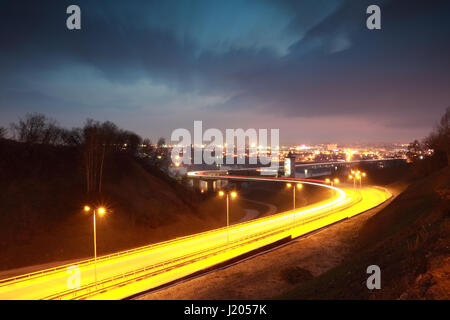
(115, 44)
(402, 69)
(305, 59)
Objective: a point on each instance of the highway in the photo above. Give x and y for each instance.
(130, 272)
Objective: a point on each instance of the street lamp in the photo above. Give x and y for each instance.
(357, 175)
(363, 175)
(232, 194)
(101, 211)
(351, 177)
(332, 182)
(297, 186)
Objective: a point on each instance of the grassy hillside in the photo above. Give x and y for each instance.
(42, 193)
(408, 240)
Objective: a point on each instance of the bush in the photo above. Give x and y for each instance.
(294, 275)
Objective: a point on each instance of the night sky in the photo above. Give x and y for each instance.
(310, 68)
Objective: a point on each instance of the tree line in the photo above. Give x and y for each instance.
(438, 141)
(96, 141)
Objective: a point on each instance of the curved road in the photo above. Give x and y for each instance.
(130, 272)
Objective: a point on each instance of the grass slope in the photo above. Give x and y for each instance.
(42, 192)
(408, 240)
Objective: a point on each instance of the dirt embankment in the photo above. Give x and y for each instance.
(408, 237)
(409, 240)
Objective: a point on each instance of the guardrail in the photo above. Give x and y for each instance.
(147, 271)
(63, 268)
(93, 289)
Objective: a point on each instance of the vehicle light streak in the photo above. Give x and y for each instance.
(130, 272)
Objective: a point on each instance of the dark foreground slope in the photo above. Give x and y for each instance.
(409, 240)
(42, 192)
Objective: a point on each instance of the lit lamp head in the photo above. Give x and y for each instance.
(221, 193)
(233, 194)
(299, 186)
(336, 180)
(350, 176)
(288, 185)
(327, 180)
(101, 211)
(87, 208)
(363, 174)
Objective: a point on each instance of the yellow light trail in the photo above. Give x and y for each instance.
(130, 272)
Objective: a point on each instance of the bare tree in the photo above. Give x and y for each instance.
(108, 139)
(132, 142)
(99, 140)
(162, 155)
(37, 128)
(72, 137)
(2, 133)
(439, 139)
(92, 154)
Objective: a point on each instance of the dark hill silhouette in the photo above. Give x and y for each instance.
(42, 193)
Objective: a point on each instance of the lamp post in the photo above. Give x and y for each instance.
(332, 182)
(297, 186)
(357, 175)
(351, 177)
(232, 194)
(101, 211)
(363, 175)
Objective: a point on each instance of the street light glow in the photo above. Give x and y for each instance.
(52, 283)
(299, 186)
(101, 211)
(221, 193)
(233, 194)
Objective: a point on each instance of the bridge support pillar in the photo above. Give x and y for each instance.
(196, 184)
(289, 166)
